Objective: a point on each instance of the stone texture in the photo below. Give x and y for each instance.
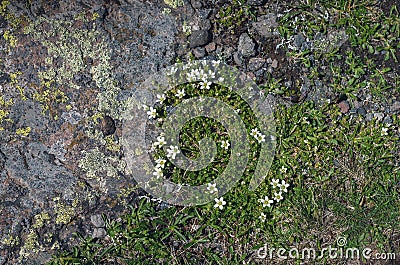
(199, 38)
(246, 45)
(255, 63)
(265, 25)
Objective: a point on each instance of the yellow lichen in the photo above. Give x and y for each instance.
(23, 131)
(11, 39)
(40, 219)
(11, 241)
(4, 110)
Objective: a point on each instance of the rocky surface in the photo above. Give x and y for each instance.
(68, 74)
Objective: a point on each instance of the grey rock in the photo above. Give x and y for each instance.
(361, 111)
(265, 25)
(196, 4)
(256, 2)
(199, 38)
(369, 117)
(395, 106)
(157, 36)
(256, 63)
(205, 24)
(204, 13)
(246, 45)
(97, 220)
(237, 58)
(379, 116)
(298, 41)
(99, 233)
(199, 52)
(388, 120)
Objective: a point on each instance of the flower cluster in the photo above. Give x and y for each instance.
(279, 187)
(258, 135)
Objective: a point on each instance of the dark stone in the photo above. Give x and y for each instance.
(107, 125)
(4, 78)
(3, 22)
(199, 38)
(361, 111)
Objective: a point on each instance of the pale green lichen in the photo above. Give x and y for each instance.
(31, 245)
(95, 162)
(174, 3)
(11, 241)
(64, 213)
(75, 46)
(40, 219)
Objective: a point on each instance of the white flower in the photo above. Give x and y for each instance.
(225, 145)
(260, 137)
(158, 172)
(161, 141)
(283, 170)
(237, 111)
(254, 132)
(212, 187)
(205, 85)
(161, 98)
(305, 120)
(219, 203)
(201, 75)
(180, 93)
(262, 217)
(278, 196)
(172, 151)
(211, 74)
(283, 186)
(275, 183)
(266, 202)
(216, 63)
(221, 79)
(145, 107)
(160, 163)
(152, 113)
(384, 131)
